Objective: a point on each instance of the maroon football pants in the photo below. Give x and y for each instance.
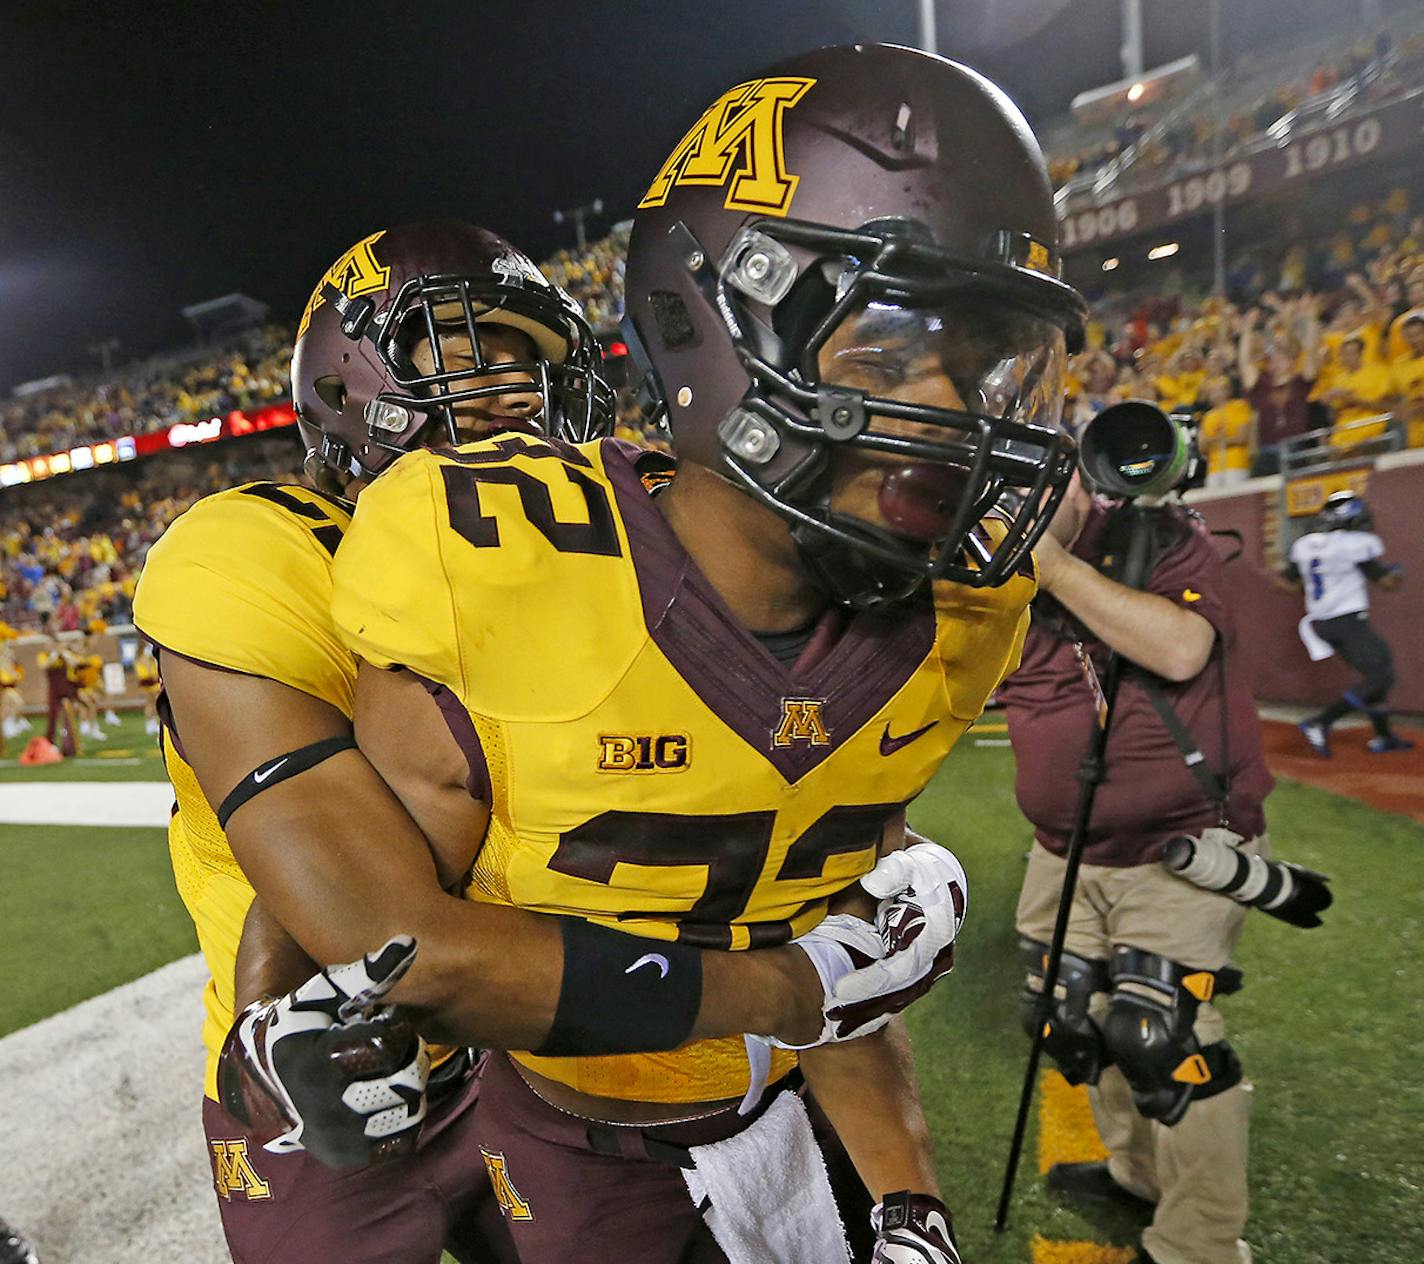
(290, 1209)
(572, 1189)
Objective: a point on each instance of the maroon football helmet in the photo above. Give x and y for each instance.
(360, 398)
(879, 205)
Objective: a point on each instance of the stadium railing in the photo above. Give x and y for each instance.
(1310, 460)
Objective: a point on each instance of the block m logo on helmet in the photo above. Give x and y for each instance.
(357, 272)
(739, 139)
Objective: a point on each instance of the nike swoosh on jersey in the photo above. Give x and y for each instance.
(650, 959)
(260, 777)
(889, 745)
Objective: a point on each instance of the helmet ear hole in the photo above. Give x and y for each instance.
(673, 320)
(331, 391)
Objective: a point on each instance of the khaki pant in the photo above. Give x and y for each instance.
(1196, 1170)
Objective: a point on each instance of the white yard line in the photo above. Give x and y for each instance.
(103, 1159)
(85, 802)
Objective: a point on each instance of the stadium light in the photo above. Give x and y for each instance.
(1165, 251)
(578, 214)
(1110, 264)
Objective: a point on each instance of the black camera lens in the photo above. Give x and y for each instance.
(1135, 449)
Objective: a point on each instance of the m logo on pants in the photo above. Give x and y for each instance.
(511, 1202)
(233, 1172)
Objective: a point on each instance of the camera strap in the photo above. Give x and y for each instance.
(1217, 784)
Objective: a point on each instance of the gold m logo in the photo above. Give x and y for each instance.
(738, 138)
(510, 1202)
(233, 1172)
(357, 272)
(801, 721)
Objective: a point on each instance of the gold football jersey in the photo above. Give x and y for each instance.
(650, 766)
(241, 581)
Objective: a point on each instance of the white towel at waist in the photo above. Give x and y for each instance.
(769, 1194)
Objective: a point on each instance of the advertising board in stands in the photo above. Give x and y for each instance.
(183, 434)
(1375, 134)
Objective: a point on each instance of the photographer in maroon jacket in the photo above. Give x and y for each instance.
(1147, 948)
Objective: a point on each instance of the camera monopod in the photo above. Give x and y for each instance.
(1134, 574)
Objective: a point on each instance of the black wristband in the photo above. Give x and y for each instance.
(279, 769)
(622, 993)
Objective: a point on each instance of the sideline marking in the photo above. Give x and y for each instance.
(1067, 1134)
(1046, 1252)
(1066, 1131)
(86, 802)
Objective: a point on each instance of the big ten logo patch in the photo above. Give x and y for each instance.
(357, 272)
(738, 139)
(511, 1202)
(644, 752)
(801, 721)
(233, 1172)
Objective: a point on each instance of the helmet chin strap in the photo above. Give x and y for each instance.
(852, 576)
(848, 575)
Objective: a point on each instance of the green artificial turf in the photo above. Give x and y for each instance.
(82, 910)
(1327, 1025)
(1327, 1028)
(126, 754)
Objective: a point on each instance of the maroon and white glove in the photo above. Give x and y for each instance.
(913, 1229)
(329, 1068)
(923, 895)
(839, 946)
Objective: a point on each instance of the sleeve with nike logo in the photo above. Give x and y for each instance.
(1190, 577)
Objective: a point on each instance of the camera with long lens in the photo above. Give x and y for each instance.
(1288, 891)
(1135, 449)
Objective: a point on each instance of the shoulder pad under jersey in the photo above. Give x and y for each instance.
(980, 632)
(499, 569)
(242, 581)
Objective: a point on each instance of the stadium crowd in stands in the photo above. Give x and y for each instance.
(72, 548)
(594, 277)
(248, 373)
(1325, 330)
(1379, 69)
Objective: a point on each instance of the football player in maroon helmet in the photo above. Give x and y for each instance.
(439, 333)
(844, 287)
(286, 843)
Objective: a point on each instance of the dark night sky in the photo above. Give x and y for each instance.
(160, 154)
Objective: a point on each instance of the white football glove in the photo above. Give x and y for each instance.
(328, 1068)
(913, 1229)
(923, 895)
(841, 945)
